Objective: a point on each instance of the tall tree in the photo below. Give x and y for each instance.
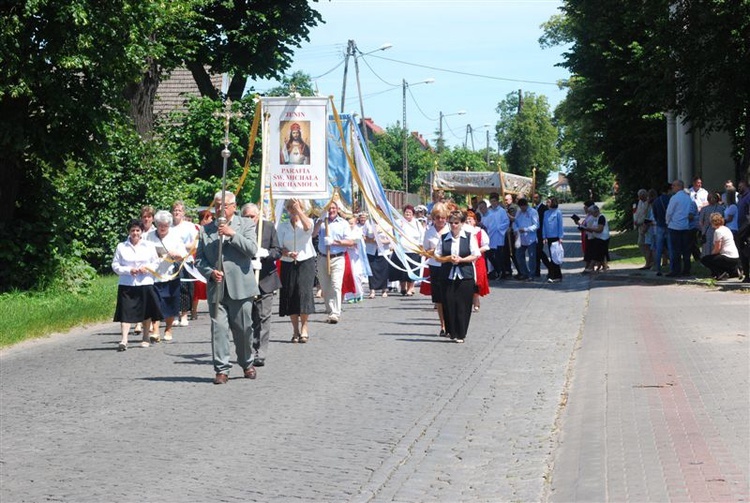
(525, 130)
(619, 87)
(64, 67)
(710, 50)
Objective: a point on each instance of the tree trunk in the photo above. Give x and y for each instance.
(203, 80)
(141, 97)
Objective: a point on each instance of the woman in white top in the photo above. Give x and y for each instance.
(136, 298)
(724, 258)
(297, 269)
(171, 250)
(433, 237)
(413, 235)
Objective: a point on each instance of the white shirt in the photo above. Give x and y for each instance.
(296, 239)
(699, 197)
(413, 235)
(171, 243)
(129, 256)
(431, 240)
(728, 248)
(456, 249)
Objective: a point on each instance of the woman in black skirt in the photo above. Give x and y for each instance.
(377, 246)
(298, 260)
(457, 252)
(136, 298)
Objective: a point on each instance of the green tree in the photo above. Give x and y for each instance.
(390, 147)
(709, 46)
(525, 130)
(463, 159)
(618, 88)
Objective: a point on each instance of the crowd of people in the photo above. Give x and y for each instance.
(237, 261)
(682, 225)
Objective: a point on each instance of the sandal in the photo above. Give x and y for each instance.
(122, 347)
(302, 339)
(385, 294)
(295, 338)
(371, 296)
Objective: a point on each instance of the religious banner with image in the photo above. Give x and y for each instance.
(295, 157)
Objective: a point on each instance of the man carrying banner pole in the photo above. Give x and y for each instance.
(333, 239)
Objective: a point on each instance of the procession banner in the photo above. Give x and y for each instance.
(296, 157)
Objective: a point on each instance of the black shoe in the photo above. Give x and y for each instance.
(259, 362)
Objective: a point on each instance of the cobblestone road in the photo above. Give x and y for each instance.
(588, 390)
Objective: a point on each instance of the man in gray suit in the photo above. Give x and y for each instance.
(231, 286)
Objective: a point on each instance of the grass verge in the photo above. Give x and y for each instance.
(25, 315)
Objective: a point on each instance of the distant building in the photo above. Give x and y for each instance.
(561, 186)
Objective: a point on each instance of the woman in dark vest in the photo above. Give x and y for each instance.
(459, 252)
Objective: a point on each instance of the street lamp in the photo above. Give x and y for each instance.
(441, 144)
(404, 85)
(353, 50)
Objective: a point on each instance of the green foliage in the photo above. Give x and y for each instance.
(463, 159)
(102, 193)
(526, 132)
(611, 118)
(388, 179)
(390, 147)
(298, 82)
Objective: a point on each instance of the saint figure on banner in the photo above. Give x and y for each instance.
(294, 149)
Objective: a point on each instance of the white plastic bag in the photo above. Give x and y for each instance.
(557, 252)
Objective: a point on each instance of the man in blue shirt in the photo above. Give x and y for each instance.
(497, 222)
(526, 225)
(681, 211)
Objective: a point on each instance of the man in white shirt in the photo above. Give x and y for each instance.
(334, 237)
(698, 194)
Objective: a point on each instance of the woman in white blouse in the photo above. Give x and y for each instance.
(136, 298)
(298, 259)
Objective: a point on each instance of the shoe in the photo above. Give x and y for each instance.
(168, 335)
(442, 334)
(658, 274)
(138, 328)
(155, 339)
(221, 379)
(145, 344)
(184, 321)
(371, 296)
(554, 280)
(475, 309)
(385, 294)
(333, 319)
(410, 294)
(259, 362)
(302, 339)
(458, 341)
(122, 347)
(250, 373)
(644, 268)
(295, 338)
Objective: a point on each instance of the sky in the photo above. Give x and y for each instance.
(477, 52)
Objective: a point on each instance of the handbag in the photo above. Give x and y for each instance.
(557, 252)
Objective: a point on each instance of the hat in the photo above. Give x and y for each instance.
(421, 207)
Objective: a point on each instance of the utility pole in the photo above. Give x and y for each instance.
(349, 52)
(405, 153)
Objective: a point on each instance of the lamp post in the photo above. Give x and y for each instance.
(405, 154)
(441, 143)
(353, 50)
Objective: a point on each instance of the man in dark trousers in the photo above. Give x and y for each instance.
(541, 257)
(268, 282)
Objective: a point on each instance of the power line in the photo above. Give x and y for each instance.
(467, 73)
